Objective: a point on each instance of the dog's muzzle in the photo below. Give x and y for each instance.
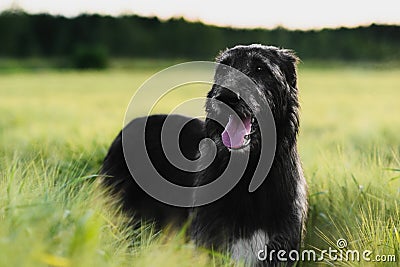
(238, 129)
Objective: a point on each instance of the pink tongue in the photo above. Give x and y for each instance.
(235, 131)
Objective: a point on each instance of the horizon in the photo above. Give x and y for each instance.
(319, 16)
(16, 11)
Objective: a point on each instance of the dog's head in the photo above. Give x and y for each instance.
(247, 79)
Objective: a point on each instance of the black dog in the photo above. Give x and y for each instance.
(248, 225)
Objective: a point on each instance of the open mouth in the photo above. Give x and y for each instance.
(237, 132)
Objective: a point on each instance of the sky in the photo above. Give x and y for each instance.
(300, 14)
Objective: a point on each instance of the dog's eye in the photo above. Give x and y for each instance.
(264, 70)
(261, 68)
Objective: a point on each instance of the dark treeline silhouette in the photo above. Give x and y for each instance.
(24, 35)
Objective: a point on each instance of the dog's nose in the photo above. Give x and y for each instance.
(229, 97)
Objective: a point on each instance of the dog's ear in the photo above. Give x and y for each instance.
(290, 60)
(289, 66)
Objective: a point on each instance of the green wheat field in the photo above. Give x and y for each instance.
(56, 126)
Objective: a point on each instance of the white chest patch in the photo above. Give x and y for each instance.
(245, 250)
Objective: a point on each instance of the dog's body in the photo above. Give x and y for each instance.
(241, 222)
(135, 201)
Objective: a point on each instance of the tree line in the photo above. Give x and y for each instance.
(43, 35)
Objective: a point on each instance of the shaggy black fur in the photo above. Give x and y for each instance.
(240, 222)
(135, 201)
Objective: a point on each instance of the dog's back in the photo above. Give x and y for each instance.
(118, 178)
